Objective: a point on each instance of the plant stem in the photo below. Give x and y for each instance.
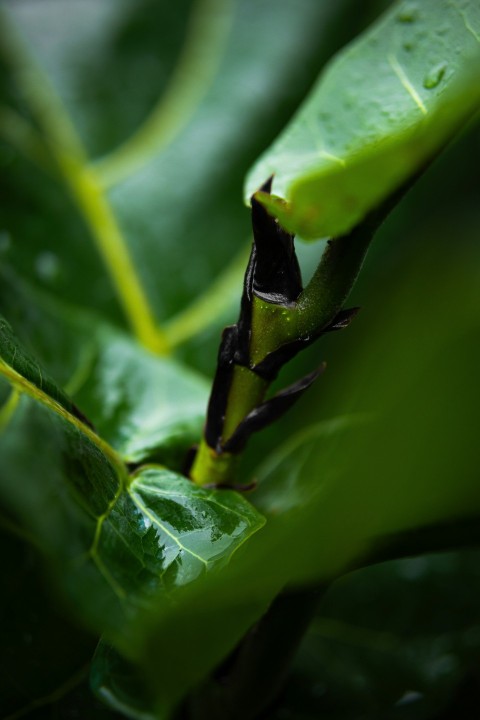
(247, 390)
(276, 331)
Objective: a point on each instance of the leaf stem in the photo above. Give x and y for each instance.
(205, 42)
(70, 157)
(278, 318)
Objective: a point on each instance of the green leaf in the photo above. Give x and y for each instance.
(21, 370)
(58, 483)
(381, 110)
(146, 407)
(165, 532)
(413, 661)
(119, 684)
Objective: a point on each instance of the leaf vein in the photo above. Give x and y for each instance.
(164, 529)
(404, 80)
(465, 19)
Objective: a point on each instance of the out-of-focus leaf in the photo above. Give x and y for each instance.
(396, 640)
(384, 106)
(119, 684)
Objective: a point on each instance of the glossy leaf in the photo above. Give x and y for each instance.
(116, 543)
(20, 368)
(381, 110)
(115, 547)
(146, 407)
(164, 532)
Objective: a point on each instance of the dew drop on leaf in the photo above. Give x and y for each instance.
(434, 77)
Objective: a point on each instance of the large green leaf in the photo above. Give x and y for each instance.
(384, 106)
(144, 406)
(413, 662)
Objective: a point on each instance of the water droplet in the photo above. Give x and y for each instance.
(408, 13)
(5, 242)
(47, 266)
(434, 76)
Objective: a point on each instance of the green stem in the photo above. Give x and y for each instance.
(247, 390)
(273, 326)
(319, 303)
(204, 45)
(212, 468)
(333, 280)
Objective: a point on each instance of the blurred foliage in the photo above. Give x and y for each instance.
(400, 639)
